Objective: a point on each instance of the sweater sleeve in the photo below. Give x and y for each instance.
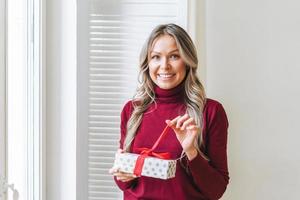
(211, 177)
(125, 114)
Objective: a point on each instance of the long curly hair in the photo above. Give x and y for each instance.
(194, 95)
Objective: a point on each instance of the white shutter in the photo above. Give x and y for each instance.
(117, 31)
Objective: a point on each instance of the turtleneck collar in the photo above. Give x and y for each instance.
(173, 95)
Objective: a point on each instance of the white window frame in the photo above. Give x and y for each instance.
(2, 97)
(42, 54)
(37, 188)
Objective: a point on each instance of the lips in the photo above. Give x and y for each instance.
(165, 76)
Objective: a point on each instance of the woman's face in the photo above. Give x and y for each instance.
(166, 67)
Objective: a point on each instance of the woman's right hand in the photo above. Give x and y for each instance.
(121, 176)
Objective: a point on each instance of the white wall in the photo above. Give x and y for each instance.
(61, 100)
(253, 68)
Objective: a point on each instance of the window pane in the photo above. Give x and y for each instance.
(23, 99)
(16, 95)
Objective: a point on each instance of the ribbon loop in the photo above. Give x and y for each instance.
(146, 152)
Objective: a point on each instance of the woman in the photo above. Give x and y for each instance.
(171, 94)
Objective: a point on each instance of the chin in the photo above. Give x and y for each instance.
(166, 86)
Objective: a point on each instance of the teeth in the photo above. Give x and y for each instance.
(165, 75)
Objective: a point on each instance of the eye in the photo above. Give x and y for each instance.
(174, 57)
(155, 57)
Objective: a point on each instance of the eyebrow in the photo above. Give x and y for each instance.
(168, 53)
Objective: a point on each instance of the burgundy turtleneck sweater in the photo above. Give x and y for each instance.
(199, 179)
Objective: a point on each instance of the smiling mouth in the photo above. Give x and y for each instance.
(166, 76)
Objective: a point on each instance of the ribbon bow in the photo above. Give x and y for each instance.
(146, 152)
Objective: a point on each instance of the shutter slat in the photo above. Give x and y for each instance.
(100, 165)
(106, 118)
(105, 136)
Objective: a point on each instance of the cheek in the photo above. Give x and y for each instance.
(182, 69)
(183, 74)
(152, 71)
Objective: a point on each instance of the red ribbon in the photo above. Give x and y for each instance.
(146, 152)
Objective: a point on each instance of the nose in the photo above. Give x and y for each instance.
(164, 63)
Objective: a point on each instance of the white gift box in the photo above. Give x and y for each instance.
(153, 167)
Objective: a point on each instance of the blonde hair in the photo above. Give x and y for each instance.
(194, 98)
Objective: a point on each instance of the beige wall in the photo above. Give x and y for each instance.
(253, 68)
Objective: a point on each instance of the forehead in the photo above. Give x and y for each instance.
(164, 43)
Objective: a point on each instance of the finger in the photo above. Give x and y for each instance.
(120, 151)
(187, 123)
(190, 127)
(122, 174)
(181, 120)
(113, 170)
(120, 178)
(124, 179)
(172, 122)
(168, 122)
(193, 128)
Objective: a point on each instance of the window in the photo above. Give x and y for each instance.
(108, 74)
(21, 98)
(2, 100)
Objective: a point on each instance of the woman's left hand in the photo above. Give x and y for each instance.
(186, 132)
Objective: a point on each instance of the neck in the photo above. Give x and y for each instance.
(170, 95)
